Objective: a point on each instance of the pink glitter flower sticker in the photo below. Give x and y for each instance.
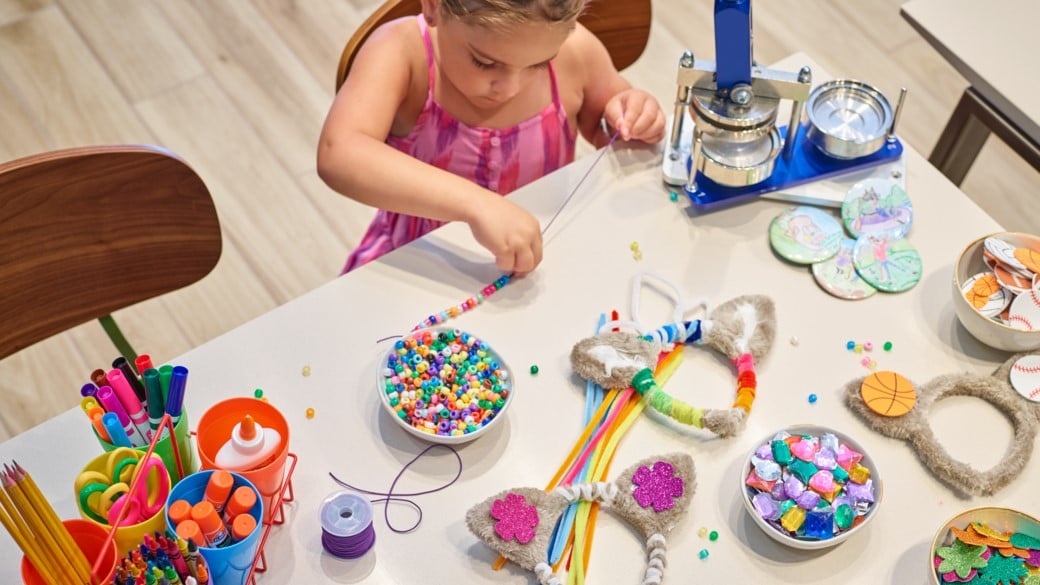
(515, 518)
(658, 487)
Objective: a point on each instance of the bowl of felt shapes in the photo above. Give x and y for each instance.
(996, 290)
(444, 385)
(986, 545)
(810, 487)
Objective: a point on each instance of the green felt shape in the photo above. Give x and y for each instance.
(1031, 580)
(1020, 540)
(1003, 570)
(961, 558)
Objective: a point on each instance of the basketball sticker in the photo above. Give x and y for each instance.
(1011, 280)
(1025, 377)
(1003, 252)
(984, 293)
(888, 394)
(1029, 258)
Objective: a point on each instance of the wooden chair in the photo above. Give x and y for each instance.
(87, 231)
(623, 26)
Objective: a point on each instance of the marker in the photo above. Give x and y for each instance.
(88, 403)
(88, 389)
(116, 432)
(156, 404)
(130, 374)
(142, 363)
(98, 378)
(165, 373)
(175, 399)
(107, 397)
(128, 397)
(95, 415)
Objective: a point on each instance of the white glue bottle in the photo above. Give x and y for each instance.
(249, 447)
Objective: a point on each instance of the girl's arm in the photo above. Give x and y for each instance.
(606, 95)
(354, 160)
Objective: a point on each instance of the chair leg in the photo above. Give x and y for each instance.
(965, 134)
(118, 339)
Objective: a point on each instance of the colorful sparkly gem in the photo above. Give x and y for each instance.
(793, 487)
(825, 459)
(803, 469)
(861, 492)
(807, 499)
(765, 506)
(804, 450)
(843, 516)
(781, 452)
(793, 519)
(515, 518)
(822, 482)
(767, 470)
(819, 524)
(755, 481)
(848, 457)
(658, 487)
(859, 474)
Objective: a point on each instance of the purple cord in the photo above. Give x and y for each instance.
(349, 547)
(390, 496)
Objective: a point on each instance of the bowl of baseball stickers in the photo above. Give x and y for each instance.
(996, 290)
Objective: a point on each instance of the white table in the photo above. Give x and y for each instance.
(588, 269)
(991, 45)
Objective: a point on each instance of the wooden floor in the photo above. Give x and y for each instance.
(239, 88)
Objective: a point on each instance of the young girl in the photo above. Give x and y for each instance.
(443, 113)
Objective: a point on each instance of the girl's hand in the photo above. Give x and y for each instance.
(637, 115)
(509, 232)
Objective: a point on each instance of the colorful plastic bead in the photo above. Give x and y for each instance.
(306, 371)
(673, 196)
(310, 413)
(534, 370)
(258, 393)
(868, 346)
(713, 535)
(813, 398)
(703, 554)
(703, 532)
(851, 345)
(887, 346)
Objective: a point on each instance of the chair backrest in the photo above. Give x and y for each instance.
(623, 26)
(87, 231)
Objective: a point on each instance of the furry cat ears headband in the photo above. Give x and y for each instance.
(913, 426)
(742, 329)
(652, 495)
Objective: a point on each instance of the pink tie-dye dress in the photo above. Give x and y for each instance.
(500, 160)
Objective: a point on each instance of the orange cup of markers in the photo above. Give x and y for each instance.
(89, 537)
(215, 428)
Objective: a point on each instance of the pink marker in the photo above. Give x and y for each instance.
(126, 395)
(107, 397)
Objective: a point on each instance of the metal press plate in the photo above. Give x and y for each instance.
(850, 110)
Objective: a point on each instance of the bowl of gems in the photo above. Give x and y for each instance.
(986, 545)
(810, 487)
(444, 385)
(996, 290)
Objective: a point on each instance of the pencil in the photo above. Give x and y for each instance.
(29, 548)
(45, 565)
(36, 497)
(49, 545)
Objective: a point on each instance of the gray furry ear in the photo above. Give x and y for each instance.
(746, 324)
(518, 523)
(654, 494)
(612, 359)
(1003, 373)
(897, 427)
(726, 422)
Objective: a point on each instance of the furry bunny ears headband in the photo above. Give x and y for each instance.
(741, 329)
(652, 495)
(908, 408)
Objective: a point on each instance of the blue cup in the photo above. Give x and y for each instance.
(229, 565)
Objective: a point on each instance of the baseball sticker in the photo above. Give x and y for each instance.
(1025, 377)
(1025, 311)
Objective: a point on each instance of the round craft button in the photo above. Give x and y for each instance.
(805, 235)
(886, 264)
(984, 293)
(1025, 311)
(1004, 253)
(837, 275)
(888, 393)
(877, 206)
(1025, 377)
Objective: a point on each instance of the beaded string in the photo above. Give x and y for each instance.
(479, 298)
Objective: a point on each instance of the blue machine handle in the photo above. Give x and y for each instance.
(732, 44)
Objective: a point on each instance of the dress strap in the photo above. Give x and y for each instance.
(425, 30)
(552, 84)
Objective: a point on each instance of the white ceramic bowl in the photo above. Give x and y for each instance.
(1002, 519)
(432, 437)
(810, 543)
(986, 330)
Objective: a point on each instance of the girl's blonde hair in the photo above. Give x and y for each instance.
(506, 12)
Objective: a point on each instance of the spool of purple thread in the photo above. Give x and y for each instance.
(346, 525)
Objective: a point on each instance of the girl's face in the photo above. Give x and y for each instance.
(489, 66)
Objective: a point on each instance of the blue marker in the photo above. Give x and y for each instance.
(175, 399)
(115, 430)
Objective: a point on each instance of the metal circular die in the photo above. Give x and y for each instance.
(723, 114)
(739, 163)
(848, 119)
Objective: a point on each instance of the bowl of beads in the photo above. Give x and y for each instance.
(996, 290)
(444, 385)
(810, 487)
(987, 545)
